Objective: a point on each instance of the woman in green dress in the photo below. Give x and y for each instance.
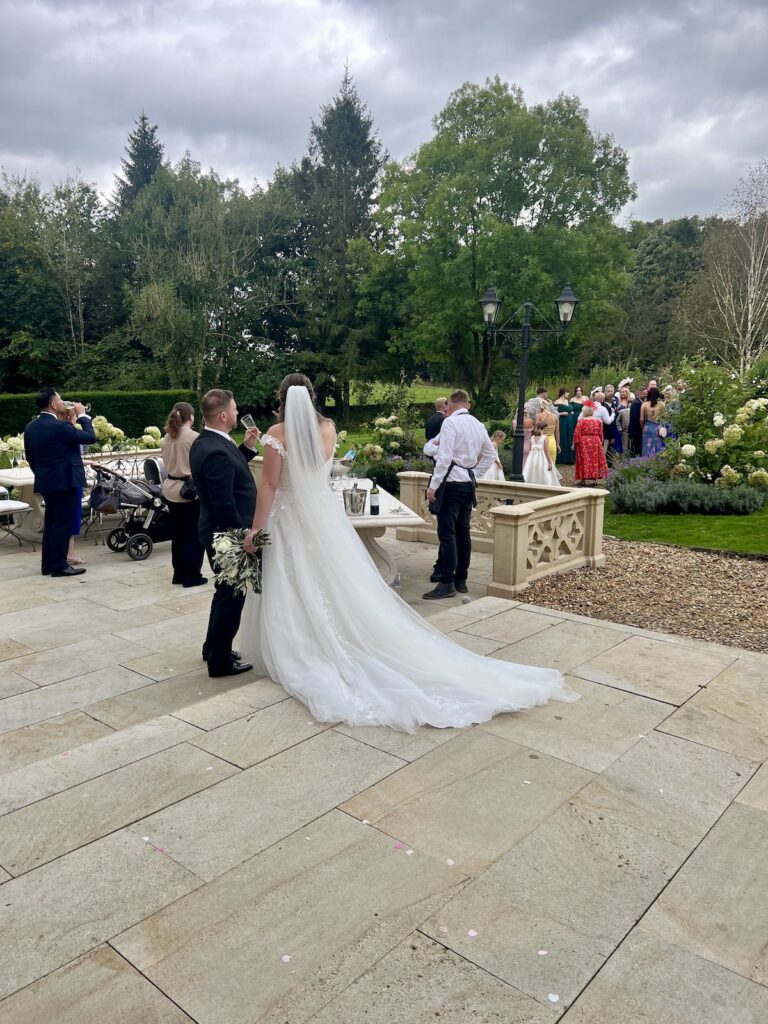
(565, 410)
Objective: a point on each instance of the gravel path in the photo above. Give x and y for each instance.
(674, 590)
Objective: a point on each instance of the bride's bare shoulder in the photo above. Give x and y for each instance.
(327, 427)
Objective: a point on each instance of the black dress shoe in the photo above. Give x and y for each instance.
(71, 570)
(196, 583)
(233, 655)
(235, 668)
(461, 586)
(441, 590)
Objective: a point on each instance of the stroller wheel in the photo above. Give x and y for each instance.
(117, 539)
(139, 547)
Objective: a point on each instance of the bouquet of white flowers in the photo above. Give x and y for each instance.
(232, 562)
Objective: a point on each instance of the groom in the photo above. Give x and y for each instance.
(227, 495)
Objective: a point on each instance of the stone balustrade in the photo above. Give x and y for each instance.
(531, 530)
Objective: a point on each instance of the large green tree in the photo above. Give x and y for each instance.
(143, 159)
(521, 197)
(336, 185)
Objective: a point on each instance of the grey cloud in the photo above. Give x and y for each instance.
(681, 86)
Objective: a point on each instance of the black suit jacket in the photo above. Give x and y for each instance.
(433, 425)
(224, 484)
(634, 417)
(52, 448)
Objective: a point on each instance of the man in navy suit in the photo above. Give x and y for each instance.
(52, 447)
(227, 494)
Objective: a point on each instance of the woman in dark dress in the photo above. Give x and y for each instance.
(567, 422)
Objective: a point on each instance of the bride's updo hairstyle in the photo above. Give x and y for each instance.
(294, 380)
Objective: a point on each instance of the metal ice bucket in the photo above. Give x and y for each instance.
(354, 502)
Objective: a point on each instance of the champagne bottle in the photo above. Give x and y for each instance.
(374, 498)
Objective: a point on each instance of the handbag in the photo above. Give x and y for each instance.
(188, 489)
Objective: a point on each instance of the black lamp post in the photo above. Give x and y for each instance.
(490, 304)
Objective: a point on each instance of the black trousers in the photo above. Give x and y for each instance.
(223, 623)
(453, 532)
(60, 509)
(187, 552)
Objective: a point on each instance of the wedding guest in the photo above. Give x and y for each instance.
(588, 442)
(611, 431)
(578, 396)
(435, 421)
(52, 447)
(567, 413)
(528, 424)
(549, 420)
(635, 430)
(540, 469)
(651, 413)
(465, 453)
(187, 552)
(496, 472)
(602, 413)
(622, 420)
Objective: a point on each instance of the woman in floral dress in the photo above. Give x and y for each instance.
(588, 442)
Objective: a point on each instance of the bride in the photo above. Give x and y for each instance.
(330, 630)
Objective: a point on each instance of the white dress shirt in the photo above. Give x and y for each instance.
(221, 433)
(465, 441)
(602, 414)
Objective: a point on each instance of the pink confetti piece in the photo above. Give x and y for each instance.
(409, 853)
(160, 849)
(472, 933)
(553, 998)
(450, 862)
(286, 958)
(399, 846)
(543, 952)
(65, 754)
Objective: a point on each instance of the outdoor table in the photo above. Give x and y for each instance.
(24, 481)
(392, 513)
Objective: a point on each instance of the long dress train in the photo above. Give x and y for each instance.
(336, 637)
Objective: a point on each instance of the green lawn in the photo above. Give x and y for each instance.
(725, 533)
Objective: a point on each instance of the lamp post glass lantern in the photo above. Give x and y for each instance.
(490, 305)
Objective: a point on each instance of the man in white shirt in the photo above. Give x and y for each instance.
(465, 454)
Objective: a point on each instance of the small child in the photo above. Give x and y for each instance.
(496, 472)
(538, 468)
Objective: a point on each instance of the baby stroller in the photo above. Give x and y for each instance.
(146, 520)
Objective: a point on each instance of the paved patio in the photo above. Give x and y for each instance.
(175, 848)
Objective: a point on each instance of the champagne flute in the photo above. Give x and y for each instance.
(247, 422)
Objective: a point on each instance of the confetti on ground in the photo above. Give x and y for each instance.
(286, 958)
(472, 933)
(543, 952)
(209, 768)
(408, 853)
(365, 822)
(443, 929)
(526, 782)
(450, 862)
(160, 849)
(145, 838)
(399, 846)
(65, 754)
(553, 998)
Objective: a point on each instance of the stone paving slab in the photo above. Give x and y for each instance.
(72, 767)
(648, 981)
(421, 982)
(94, 989)
(45, 739)
(42, 831)
(717, 905)
(433, 804)
(334, 897)
(730, 713)
(218, 829)
(73, 904)
(654, 668)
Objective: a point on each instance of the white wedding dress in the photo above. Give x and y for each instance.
(536, 469)
(336, 637)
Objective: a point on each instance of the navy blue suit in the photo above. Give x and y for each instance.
(52, 448)
(227, 495)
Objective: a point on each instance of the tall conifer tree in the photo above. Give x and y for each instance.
(144, 156)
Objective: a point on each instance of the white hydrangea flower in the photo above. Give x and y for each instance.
(718, 419)
(688, 451)
(733, 434)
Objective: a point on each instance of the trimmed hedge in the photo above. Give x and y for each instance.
(131, 411)
(678, 497)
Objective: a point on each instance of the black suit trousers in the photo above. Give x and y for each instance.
(60, 509)
(223, 624)
(187, 552)
(453, 521)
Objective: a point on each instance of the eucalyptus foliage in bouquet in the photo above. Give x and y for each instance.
(232, 562)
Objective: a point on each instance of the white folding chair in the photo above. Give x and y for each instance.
(10, 519)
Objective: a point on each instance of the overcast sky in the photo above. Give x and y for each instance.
(682, 86)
